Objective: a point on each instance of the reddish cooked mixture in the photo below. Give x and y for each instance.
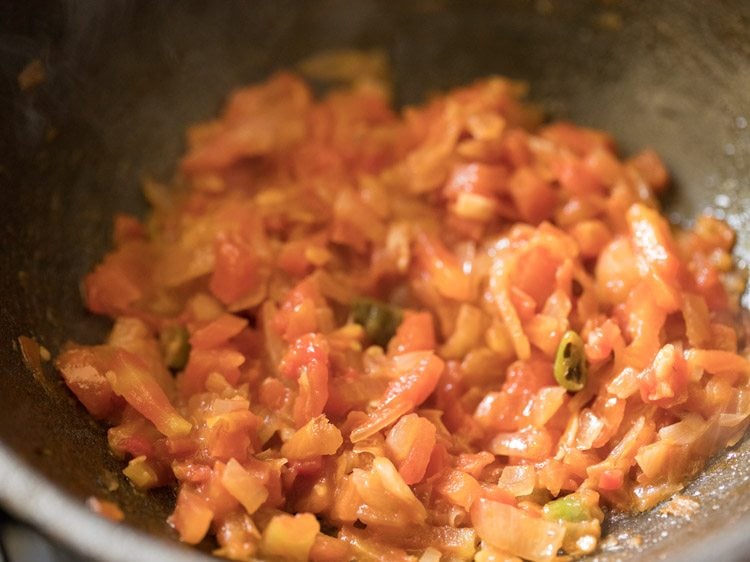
(450, 333)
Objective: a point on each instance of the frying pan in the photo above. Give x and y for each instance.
(124, 78)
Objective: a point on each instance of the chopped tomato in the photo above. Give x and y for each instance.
(234, 273)
(130, 379)
(415, 333)
(409, 444)
(443, 267)
(418, 375)
(84, 372)
(307, 362)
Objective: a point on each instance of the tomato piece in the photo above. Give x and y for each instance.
(298, 312)
(131, 379)
(202, 362)
(419, 373)
(443, 267)
(127, 228)
(652, 169)
(409, 445)
(415, 333)
(307, 362)
(134, 436)
(576, 179)
(192, 516)
(83, 370)
(534, 277)
(644, 322)
(105, 508)
(477, 178)
(534, 197)
(459, 488)
(121, 280)
(218, 331)
(616, 271)
(665, 381)
(611, 479)
(235, 268)
(656, 253)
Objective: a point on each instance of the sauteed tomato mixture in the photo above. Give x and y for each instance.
(452, 332)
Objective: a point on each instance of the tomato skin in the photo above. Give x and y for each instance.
(130, 379)
(420, 375)
(298, 312)
(83, 370)
(307, 362)
(415, 333)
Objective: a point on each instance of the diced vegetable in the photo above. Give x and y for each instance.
(290, 537)
(573, 508)
(512, 530)
(129, 379)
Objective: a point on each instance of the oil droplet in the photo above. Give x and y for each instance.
(722, 200)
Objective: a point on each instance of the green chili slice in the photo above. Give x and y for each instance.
(570, 362)
(571, 508)
(175, 345)
(380, 320)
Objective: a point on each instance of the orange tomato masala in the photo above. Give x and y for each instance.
(452, 332)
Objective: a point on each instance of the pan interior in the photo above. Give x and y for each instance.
(124, 79)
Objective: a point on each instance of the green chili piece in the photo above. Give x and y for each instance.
(570, 362)
(571, 508)
(380, 320)
(175, 345)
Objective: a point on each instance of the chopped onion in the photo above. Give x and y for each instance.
(518, 480)
(686, 431)
(430, 555)
(512, 530)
